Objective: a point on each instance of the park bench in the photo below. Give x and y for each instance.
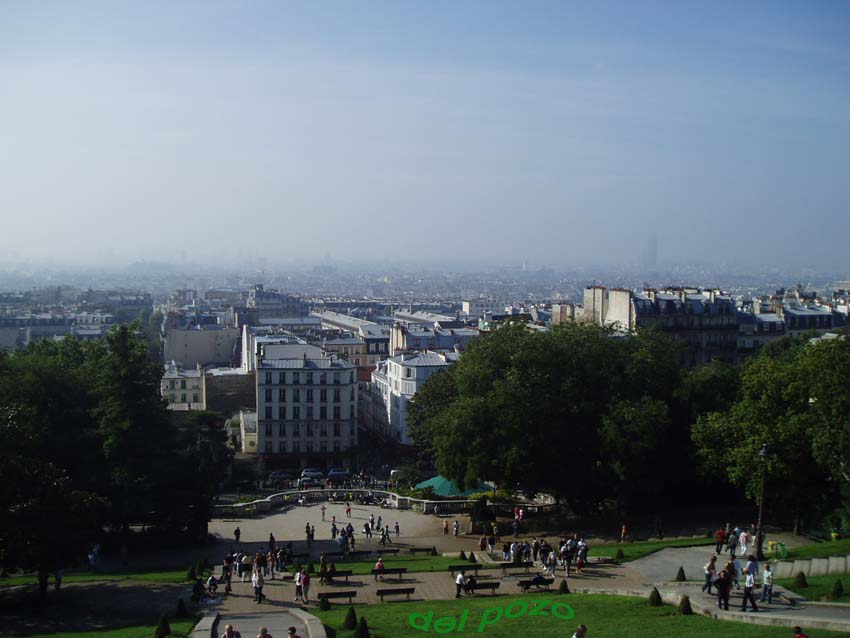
(491, 585)
(465, 568)
(395, 592)
(395, 550)
(360, 553)
(506, 566)
(390, 571)
(525, 585)
(416, 550)
(341, 573)
(328, 595)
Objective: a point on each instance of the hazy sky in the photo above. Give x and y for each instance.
(558, 132)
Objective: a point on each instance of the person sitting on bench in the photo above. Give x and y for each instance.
(331, 573)
(539, 580)
(469, 585)
(379, 568)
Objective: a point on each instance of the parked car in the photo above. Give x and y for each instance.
(309, 483)
(338, 475)
(280, 475)
(311, 472)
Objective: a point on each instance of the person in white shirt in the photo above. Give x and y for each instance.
(767, 584)
(581, 632)
(459, 580)
(749, 585)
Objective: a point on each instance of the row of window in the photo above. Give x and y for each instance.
(308, 412)
(172, 384)
(295, 395)
(173, 398)
(295, 378)
(295, 446)
(309, 428)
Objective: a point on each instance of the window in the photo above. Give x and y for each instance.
(336, 378)
(281, 395)
(352, 393)
(268, 429)
(268, 395)
(357, 361)
(194, 397)
(171, 384)
(173, 398)
(269, 447)
(296, 430)
(351, 377)
(336, 445)
(336, 411)
(323, 378)
(296, 412)
(296, 446)
(268, 412)
(407, 373)
(309, 412)
(281, 430)
(296, 378)
(310, 396)
(323, 395)
(183, 397)
(296, 395)
(309, 429)
(323, 412)
(323, 446)
(182, 384)
(268, 378)
(351, 429)
(323, 429)
(281, 446)
(309, 446)
(336, 396)
(336, 429)
(309, 378)
(282, 378)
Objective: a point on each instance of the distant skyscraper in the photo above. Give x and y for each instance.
(651, 251)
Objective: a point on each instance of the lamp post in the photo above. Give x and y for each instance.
(760, 530)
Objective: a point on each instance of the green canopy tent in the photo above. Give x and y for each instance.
(444, 487)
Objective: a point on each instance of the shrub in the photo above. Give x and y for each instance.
(472, 557)
(362, 630)
(837, 590)
(563, 588)
(434, 551)
(310, 568)
(163, 629)
(680, 575)
(685, 606)
(619, 555)
(350, 619)
(324, 603)
(190, 574)
(655, 598)
(182, 612)
(801, 581)
(462, 555)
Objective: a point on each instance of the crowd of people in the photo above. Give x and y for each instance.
(736, 542)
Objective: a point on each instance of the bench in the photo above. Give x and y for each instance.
(389, 571)
(463, 568)
(492, 586)
(340, 573)
(385, 551)
(525, 585)
(395, 592)
(506, 566)
(338, 594)
(414, 550)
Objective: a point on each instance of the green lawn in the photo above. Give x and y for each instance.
(633, 551)
(414, 563)
(818, 586)
(605, 617)
(180, 628)
(821, 550)
(170, 576)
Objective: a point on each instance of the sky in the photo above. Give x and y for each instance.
(559, 133)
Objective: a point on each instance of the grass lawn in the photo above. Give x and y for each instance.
(180, 628)
(605, 617)
(171, 576)
(821, 550)
(818, 586)
(633, 551)
(414, 563)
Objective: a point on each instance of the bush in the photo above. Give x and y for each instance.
(350, 619)
(190, 574)
(801, 581)
(685, 606)
(182, 612)
(324, 603)
(480, 511)
(563, 588)
(472, 558)
(462, 555)
(619, 555)
(434, 551)
(837, 590)
(362, 630)
(680, 575)
(310, 568)
(655, 598)
(163, 629)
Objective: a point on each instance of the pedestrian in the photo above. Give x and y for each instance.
(397, 530)
(380, 522)
(732, 543)
(264, 633)
(387, 534)
(623, 531)
(767, 584)
(719, 540)
(459, 580)
(230, 632)
(749, 585)
(581, 632)
(291, 633)
(258, 582)
(798, 633)
(710, 571)
(445, 528)
(743, 539)
(305, 586)
(723, 584)
(379, 569)
(298, 590)
(482, 543)
(455, 527)
(437, 511)
(348, 510)
(237, 533)
(323, 508)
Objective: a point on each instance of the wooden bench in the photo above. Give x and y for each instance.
(395, 592)
(340, 573)
(525, 585)
(491, 585)
(338, 594)
(386, 571)
(463, 568)
(385, 551)
(506, 566)
(415, 550)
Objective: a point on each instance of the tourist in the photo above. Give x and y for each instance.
(623, 530)
(437, 510)
(291, 633)
(506, 552)
(271, 561)
(247, 566)
(331, 572)
(731, 568)
(749, 585)
(324, 509)
(305, 585)
(348, 510)
(371, 521)
(264, 633)
(298, 590)
(445, 528)
(710, 571)
(459, 581)
(237, 534)
(723, 585)
(482, 543)
(257, 582)
(491, 543)
(581, 632)
(455, 527)
(379, 569)
(743, 539)
(731, 543)
(397, 530)
(767, 584)
(798, 633)
(212, 584)
(387, 534)
(230, 632)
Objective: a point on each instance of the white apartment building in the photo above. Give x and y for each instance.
(183, 388)
(475, 308)
(306, 407)
(394, 383)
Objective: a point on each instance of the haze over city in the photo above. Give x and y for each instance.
(559, 133)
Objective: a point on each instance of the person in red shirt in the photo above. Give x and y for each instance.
(798, 633)
(720, 539)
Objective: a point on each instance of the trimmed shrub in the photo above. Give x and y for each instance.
(462, 555)
(182, 612)
(350, 619)
(310, 568)
(163, 629)
(801, 581)
(190, 574)
(685, 606)
(362, 629)
(324, 603)
(655, 598)
(472, 558)
(837, 590)
(680, 575)
(434, 551)
(563, 588)
(619, 555)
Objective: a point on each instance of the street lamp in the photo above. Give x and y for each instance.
(760, 530)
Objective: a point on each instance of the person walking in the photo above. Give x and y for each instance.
(324, 509)
(230, 632)
(305, 586)
(264, 633)
(459, 580)
(445, 528)
(710, 571)
(397, 530)
(455, 527)
(237, 534)
(271, 542)
(749, 585)
(767, 584)
(298, 589)
(723, 585)
(743, 539)
(732, 543)
(720, 540)
(257, 582)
